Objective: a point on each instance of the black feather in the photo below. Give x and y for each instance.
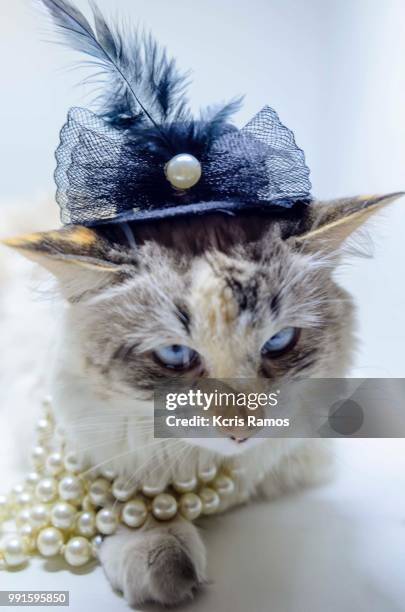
(141, 80)
(143, 93)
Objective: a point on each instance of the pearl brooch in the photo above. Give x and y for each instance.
(63, 510)
(183, 171)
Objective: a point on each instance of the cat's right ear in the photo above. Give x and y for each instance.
(329, 224)
(77, 256)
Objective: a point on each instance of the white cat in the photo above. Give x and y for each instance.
(216, 288)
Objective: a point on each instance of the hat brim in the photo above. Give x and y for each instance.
(276, 208)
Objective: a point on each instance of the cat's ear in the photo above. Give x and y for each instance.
(330, 223)
(77, 256)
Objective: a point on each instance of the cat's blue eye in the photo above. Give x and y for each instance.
(281, 342)
(176, 356)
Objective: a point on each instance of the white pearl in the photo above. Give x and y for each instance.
(49, 541)
(99, 491)
(24, 499)
(63, 515)
(183, 171)
(72, 463)
(96, 543)
(224, 485)
(54, 464)
(46, 490)
(87, 504)
(86, 523)
(27, 532)
(38, 455)
(17, 490)
(210, 500)
(70, 488)
(164, 506)
(32, 479)
(108, 473)
(207, 473)
(134, 513)
(77, 551)
(184, 486)
(122, 488)
(39, 516)
(14, 551)
(106, 521)
(47, 403)
(4, 507)
(23, 516)
(152, 490)
(44, 428)
(190, 506)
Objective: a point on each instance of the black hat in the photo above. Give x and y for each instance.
(144, 156)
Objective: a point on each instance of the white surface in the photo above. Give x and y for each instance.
(339, 547)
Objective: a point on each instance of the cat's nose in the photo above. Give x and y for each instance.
(238, 440)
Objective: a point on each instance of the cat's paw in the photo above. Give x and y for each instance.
(163, 563)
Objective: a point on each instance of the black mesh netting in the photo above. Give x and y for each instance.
(103, 175)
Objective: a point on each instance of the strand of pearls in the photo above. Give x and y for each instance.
(63, 510)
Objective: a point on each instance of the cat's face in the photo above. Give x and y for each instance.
(140, 317)
(268, 312)
(214, 315)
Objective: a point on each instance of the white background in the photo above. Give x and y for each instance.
(335, 72)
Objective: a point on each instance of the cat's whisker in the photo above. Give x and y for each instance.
(151, 470)
(119, 455)
(104, 425)
(100, 444)
(111, 439)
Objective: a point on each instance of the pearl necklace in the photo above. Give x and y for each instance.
(62, 510)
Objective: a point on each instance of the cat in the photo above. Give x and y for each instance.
(220, 286)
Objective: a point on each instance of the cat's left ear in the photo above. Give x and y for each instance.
(76, 255)
(330, 223)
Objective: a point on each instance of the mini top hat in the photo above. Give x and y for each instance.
(143, 156)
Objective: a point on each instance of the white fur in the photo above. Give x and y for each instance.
(29, 337)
